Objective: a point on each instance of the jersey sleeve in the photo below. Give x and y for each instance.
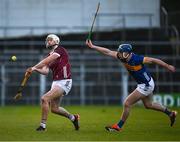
(57, 52)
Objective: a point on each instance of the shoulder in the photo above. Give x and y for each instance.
(137, 58)
(60, 50)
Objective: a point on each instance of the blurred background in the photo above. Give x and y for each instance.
(151, 26)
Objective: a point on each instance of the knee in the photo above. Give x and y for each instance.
(54, 110)
(44, 99)
(148, 106)
(126, 104)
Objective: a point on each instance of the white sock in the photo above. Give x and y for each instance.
(43, 125)
(71, 117)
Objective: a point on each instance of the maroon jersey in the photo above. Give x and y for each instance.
(61, 67)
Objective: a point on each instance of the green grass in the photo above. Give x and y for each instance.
(18, 123)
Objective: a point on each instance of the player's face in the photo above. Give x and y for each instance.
(49, 42)
(123, 55)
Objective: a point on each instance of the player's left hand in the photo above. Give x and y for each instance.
(171, 68)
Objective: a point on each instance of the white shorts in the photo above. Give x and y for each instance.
(65, 84)
(146, 90)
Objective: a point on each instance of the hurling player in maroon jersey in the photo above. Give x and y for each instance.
(58, 62)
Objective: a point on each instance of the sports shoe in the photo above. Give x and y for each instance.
(114, 127)
(76, 121)
(40, 128)
(173, 117)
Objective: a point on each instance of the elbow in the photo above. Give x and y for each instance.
(44, 73)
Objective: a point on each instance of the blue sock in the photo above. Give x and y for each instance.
(167, 111)
(120, 124)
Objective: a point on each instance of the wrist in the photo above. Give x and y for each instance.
(93, 46)
(33, 68)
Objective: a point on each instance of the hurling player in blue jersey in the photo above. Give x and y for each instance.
(145, 84)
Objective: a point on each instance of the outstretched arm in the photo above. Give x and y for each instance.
(44, 70)
(47, 60)
(149, 60)
(42, 66)
(102, 50)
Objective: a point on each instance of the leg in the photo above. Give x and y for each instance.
(60, 110)
(149, 105)
(45, 101)
(63, 112)
(158, 107)
(134, 97)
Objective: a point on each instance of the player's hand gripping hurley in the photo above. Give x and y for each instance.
(23, 83)
(90, 32)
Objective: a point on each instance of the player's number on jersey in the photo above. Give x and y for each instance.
(65, 71)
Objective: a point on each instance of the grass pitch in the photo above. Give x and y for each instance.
(18, 123)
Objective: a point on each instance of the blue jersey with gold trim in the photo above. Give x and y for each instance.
(137, 69)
